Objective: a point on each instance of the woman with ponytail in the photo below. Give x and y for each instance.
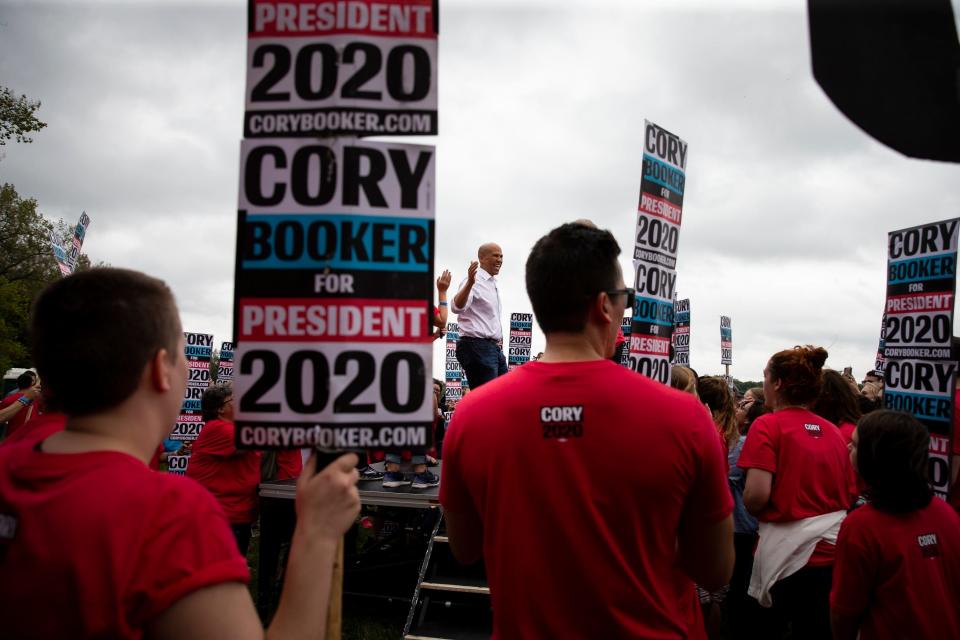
(799, 486)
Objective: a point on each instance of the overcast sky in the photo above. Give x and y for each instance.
(542, 105)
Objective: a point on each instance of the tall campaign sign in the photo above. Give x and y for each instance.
(453, 373)
(655, 250)
(626, 326)
(521, 334)
(225, 370)
(335, 236)
(681, 332)
(198, 349)
(358, 68)
(919, 371)
(726, 341)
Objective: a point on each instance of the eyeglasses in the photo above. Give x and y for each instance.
(630, 292)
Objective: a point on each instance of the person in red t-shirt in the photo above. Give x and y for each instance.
(231, 475)
(96, 545)
(573, 547)
(20, 407)
(799, 486)
(897, 572)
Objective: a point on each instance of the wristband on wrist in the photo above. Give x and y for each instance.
(25, 401)
(442, 303)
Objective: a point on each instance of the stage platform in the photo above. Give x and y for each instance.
(372, 492)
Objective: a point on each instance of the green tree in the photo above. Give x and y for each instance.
(27, 266)
(17, 117)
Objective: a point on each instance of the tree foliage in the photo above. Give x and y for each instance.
(27, 266)
(17, 117)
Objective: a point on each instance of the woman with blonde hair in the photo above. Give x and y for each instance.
(716, 395)
(683, 379)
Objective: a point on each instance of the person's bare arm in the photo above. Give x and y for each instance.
(16, 406)
(460, 300)
(844, 627)
(465, 531)
(756, 493)
(440, 320)
(327, 504)
(706, 553)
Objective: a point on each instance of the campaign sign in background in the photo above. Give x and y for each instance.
(919, 371)
(225, 370)
(452, 371)
(521, 333)
(355, 68)
(655, 250)
(681, 332)
(198, 347)
(726, 340)
(626, 326)
(880, 364)
(334, 286)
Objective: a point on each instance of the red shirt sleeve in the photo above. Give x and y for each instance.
(709, 499)
(454, 493)
(760, 447)
(188, 546)
(853, 571)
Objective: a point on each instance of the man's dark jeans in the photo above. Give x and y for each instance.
(481, 360)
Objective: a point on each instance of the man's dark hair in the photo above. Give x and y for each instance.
(565, 271)
(892, 458)
(213, 400)
(93, 333)
(26, 380)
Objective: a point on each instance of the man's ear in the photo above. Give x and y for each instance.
(161, 370)
(603, 307)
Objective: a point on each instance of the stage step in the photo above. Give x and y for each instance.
(445, 631)
(461, 584)
(451, 601)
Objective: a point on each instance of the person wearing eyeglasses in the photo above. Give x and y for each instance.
(575, 547)
(230, 474)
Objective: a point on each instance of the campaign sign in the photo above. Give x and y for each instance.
(880, 363)
(919, 371)
(681, 332)
(187, 427)
(655, 250)
(453, 374)
(521, 333)
(79, 233)
(356, 68)
(198, 348)
(225, 370)
(334, 286)
(177, 464)
(726, 340)
(626, 327)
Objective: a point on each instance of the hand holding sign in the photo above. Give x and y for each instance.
(328, 501)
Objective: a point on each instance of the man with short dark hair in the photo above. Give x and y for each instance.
(96, 545)
(575, 547)
(478, 308)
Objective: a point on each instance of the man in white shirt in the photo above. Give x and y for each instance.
(477, 305)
